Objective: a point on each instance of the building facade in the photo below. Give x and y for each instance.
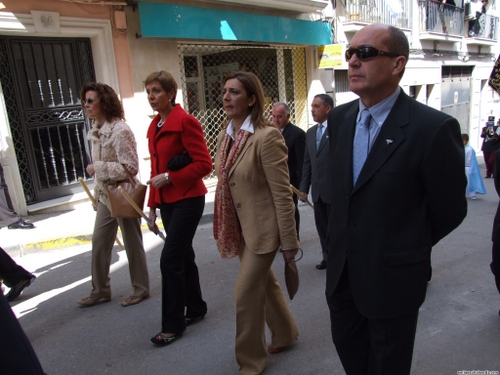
(48, 49)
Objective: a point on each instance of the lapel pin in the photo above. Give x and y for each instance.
(389, 141)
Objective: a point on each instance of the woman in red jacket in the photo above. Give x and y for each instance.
(179, 161)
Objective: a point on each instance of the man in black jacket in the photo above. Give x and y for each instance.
(14, 276)
(315, 170)
(398, 187)
(295, 140)
(495, 253)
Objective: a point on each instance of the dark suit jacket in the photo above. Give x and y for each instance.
(295, 140)
(409, 195)
(315, 170)
(495, 237)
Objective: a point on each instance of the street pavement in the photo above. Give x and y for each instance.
(458, 329)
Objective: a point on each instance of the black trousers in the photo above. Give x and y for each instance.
(16, 353)
(321, 214)
(369, 346)
(10, 271)
(495, 264)
(181, 292)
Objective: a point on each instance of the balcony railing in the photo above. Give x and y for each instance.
(441, 18)
(390, 12)
(486, 27)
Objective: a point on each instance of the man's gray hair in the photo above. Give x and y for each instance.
(287, 108)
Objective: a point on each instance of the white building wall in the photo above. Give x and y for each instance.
(424, 69)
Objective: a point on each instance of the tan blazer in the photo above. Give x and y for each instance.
(260, 187)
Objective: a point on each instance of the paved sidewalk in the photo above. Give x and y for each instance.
(72, 228)
(58, 230)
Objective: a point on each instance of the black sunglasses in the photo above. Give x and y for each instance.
(89, 101)
(366, 53)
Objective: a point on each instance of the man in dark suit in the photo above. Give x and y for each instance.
(315, 170)
(295, 140)
(16, 353)
(14, 276)
(495, 251)
(389, 209)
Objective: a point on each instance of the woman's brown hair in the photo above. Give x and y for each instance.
(110, 104)
(253, 87)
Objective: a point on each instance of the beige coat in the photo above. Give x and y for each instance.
(261, 192)
(113, 146)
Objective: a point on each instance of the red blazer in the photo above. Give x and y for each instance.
(179, 133)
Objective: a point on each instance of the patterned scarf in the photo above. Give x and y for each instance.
(227, 229)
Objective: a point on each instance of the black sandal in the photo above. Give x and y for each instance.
(161, 340)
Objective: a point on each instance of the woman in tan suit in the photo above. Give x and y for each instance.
(254, 217)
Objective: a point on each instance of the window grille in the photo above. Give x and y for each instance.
(282, 71)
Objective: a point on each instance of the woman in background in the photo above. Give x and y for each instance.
(114, 152)
(475, 184)
(254, 217)
(179, 193)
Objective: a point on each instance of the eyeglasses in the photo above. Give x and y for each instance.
(366, 53)
(90, 101)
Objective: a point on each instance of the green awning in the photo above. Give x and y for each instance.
(185, 22)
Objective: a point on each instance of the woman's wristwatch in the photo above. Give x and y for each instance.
(167, 178)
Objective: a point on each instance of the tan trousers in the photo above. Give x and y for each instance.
(103, 238)
(260, 300)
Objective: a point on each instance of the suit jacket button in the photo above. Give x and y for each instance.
(238, 205)
(233, 184)
(351, 224)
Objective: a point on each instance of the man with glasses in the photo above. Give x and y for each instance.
(397, 181)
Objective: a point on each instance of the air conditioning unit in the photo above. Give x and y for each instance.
(468, 11)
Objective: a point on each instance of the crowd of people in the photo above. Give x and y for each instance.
(381, 150)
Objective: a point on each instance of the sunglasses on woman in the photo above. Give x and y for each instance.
(366, 53)
(90, 101)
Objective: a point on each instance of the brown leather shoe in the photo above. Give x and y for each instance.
(134, 300)
(273, 350)
(91, 301)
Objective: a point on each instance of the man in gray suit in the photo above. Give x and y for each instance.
(315, 169)
(7, 213)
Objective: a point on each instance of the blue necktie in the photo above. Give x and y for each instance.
(319, 134)
(361, 144)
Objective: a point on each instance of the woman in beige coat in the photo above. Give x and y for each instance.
(254, 217)
(113, 149)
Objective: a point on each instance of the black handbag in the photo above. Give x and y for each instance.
(179, 161)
